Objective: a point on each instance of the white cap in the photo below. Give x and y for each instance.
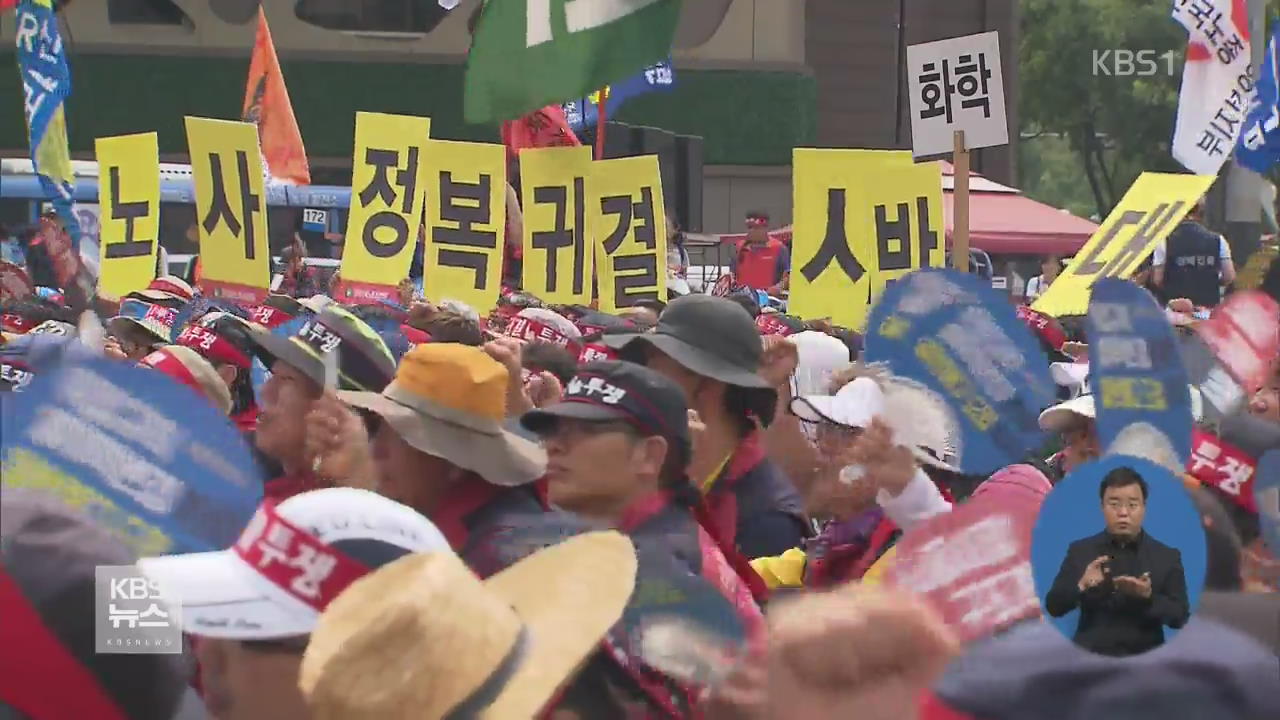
(1059, 417)
(290, 562)
(820, 357)
(1071, 375)
(855, 405)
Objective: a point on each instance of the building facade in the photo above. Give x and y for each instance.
(755, 78)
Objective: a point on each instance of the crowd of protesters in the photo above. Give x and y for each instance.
(503, 494)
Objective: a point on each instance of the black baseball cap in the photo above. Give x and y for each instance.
(712, 337)
(364, 361)
(616, 390)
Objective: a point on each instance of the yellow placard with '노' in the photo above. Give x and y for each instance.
(129, 203)
(231, 208)
(627, 219)
(863, 218)
(466, 222)
(1148, 212)
(388, 190)
(557, 253)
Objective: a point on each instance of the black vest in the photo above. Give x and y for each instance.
(1191, 264)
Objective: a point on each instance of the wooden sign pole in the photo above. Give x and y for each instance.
(960, 214)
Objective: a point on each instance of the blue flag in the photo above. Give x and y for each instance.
(1259, 145)
(46, 84)
(583, 113)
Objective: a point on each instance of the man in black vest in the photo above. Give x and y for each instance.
(1193, 262)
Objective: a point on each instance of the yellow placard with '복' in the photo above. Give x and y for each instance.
(129, 206)
(466, 222)
(627, 218)
(388, 190)
(231, 208)
(557, 254)
(863, 218)
(1148, 212)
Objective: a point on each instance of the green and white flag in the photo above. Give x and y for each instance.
(528, 54)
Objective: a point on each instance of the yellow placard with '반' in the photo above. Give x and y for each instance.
(863, 218)
(627, 219)
(231, 208)
(466, 222)
(1148, 212)
(388, 189)
(557, 253)
(129, 207)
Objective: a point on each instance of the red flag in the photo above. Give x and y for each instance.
(547, 127)
(266, 103)
(9, 4)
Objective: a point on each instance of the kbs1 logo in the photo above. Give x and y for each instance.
(132, 615)
(1132, 63)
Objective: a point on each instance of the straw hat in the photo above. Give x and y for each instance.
(424, 638)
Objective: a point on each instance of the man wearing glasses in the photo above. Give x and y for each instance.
(1127, 584)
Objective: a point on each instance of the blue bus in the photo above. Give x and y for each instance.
(318, 213)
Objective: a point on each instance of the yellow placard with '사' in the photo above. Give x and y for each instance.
(231, 208)
(627, 219)
(388, 190)
(863, 218)
(466, 222)
(1148, 212)
(129, 207)
(558, 254)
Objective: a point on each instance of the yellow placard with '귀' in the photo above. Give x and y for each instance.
(466, 222)
(863, 218)
(388, 189)
(627, 219)
(557, 254)
(231, 208)
(1148, 212)
(129, 202)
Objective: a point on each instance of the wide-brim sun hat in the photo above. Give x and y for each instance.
(448, 401)
(423, 638)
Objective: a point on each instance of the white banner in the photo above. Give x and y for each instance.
(1217, 82)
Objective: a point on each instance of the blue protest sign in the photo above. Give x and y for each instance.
(1266, 494)
(1259, 145)
(960, 338)
(1139, 383)
(138, 453)
(582, 113)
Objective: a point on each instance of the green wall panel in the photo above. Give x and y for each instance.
(747, 117)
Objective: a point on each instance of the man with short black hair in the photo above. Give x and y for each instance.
(762, 262)
(1127, 584)
(1193, 262)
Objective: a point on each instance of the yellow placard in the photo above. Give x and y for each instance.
(129, 207)
(231, 206)
(466, 222)
(1148, 212)
(557, 254)
(627, 218)
(863, 218)
(388, 189)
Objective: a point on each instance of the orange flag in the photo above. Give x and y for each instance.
(266, 104)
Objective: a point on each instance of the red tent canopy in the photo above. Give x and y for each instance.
(1002, 221)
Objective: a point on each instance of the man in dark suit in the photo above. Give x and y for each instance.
(1125, 582)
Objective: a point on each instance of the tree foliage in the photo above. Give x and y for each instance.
(1115, 126)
